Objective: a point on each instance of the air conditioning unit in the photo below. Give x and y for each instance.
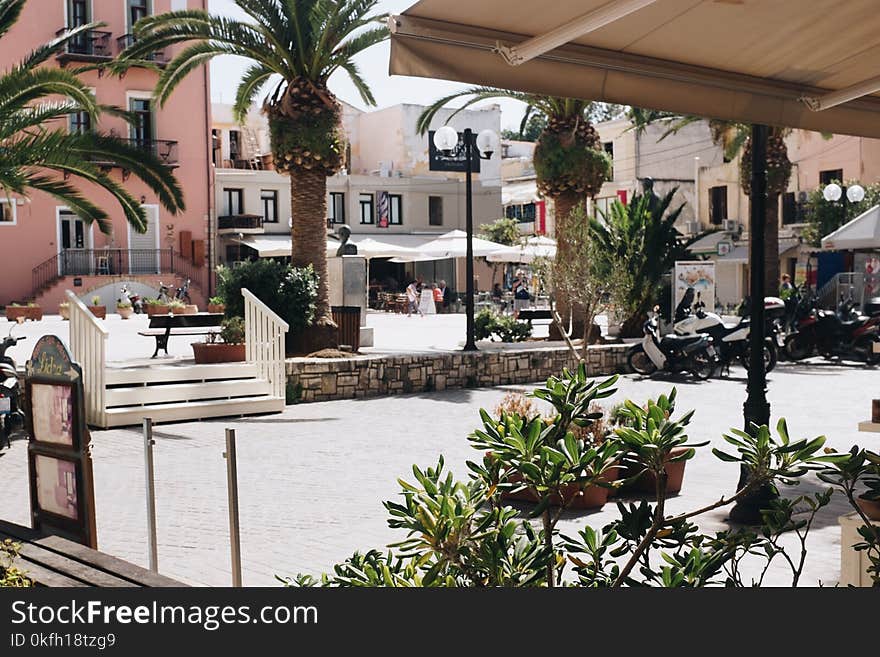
(730, 226)
(692, 227)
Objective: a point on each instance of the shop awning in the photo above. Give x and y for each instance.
(519, 193)
(863, 232)
(810, 64)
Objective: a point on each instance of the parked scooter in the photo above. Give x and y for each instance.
(842, 334)
(731, 340)
(11, 413)
(672, 353)
(135, 300)
(182, 293)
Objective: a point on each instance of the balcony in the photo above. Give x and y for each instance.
(246, 224)
(127, 40)
(164, 149)
(89, 46)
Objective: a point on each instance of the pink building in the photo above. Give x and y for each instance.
(44, 248)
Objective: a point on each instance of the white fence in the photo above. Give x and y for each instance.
(264, 340)
(88, 344)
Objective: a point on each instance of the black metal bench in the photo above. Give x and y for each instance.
(164, 326)
(530, 314)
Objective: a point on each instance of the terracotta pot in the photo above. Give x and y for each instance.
(191, 309)
(99, 311)
(592, 497)
(206, 354)
(125, 313)
(647, 483)
(216, 308)
(870, 508)
(178, 310)
(155, 309)
(21, 313)
(64, 311)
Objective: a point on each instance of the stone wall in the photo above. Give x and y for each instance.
(315, 379)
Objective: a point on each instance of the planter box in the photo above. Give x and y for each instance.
(206, 354)
(155, 309)
(99, 311)
(216, 308)
(870, 508)
(178, 310)
(191, 309)
(22, 313)
(592, 497)
(125, 313)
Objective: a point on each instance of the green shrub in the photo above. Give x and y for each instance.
(10, 576)
(216, 301)
(489, 325)
(232, 330)
(289, 291)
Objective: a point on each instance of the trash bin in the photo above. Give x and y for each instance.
(348, 319)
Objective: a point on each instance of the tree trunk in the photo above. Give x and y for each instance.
(564, 205)
(308, 196)
(771, 242)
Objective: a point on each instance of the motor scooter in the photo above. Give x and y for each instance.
(672, 353)
(11, 414)
(137, 304)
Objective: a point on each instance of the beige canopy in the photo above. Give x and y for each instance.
(812, 64)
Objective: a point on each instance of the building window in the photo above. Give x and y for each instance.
(368, 208)
(80, 122)
(828, 177)
(137, 9)
(233, 202)
(7, 212)
(77, 13)
(234, 145)
(522, 213)
(336, 208)
(270, 206)
(435, 210)
(717, 204)
(395, 209)
(142, 128)
(609, 148)
(215, 146)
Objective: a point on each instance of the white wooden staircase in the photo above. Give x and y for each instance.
(172, 392)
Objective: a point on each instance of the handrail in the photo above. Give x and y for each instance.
(264, 341)
(88, 344)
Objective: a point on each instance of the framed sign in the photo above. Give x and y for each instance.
(455, 161)
(59, 453)
(723, 248)
(696, 274)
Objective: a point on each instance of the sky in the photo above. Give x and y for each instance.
(388, 90)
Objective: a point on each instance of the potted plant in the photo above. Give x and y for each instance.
(216, 305)
(190, 309)
(156, 307)
(176, 306)
(230, 349)
(869, 501)
(124, 309)
(15, 312)
(97, 309)
(64, 309)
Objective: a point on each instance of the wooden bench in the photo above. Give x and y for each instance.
(54, 561)
(164, 326)
(529, 314)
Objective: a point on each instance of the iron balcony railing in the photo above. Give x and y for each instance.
(90, 45)
(128, 40)
(240, 222)
(164, 149)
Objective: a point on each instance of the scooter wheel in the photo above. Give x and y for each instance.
(702, 365)
(770, 358)
(640, 363)
(797, 348)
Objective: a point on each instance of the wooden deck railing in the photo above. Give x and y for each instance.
(264, 337)
(88, 345)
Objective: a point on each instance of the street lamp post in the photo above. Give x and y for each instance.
(834, 193)
(486, 143)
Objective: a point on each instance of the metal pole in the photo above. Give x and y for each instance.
(232, 490)
(151, 495)
(469, 344)
(756, 409)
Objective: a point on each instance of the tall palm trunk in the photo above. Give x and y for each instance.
(564, 204)
(308, 196)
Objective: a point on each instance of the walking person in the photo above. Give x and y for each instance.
(521, 295)
(412, 298)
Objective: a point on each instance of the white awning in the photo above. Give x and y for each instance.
(534, 247)
(275, 246)
(863, 232)
(520, 193)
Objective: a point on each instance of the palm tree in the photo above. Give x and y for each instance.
(735, 139)
(570, 163)
(295, 45)
(37, 154)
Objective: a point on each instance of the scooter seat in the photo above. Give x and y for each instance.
(680, 340)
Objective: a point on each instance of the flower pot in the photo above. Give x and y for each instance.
(870, 508)
(21, 313)
(178, 310)
(218, 308)
(190, 309)
(205, 353)
(157, 309)
(99, 311)
(647, 483)
(125, 313)
(592, 497)
(64, 311)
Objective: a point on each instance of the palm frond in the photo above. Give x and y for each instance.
(10, 10)
(253, 80)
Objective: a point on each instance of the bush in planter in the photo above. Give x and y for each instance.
(489, 325)
(124, 309)
(176, 306)
(459, 533)
(229, 349)
(156, 307)
(216, 305)
(16, 312)
(98, 310)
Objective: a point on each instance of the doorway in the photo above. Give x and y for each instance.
(74, 245)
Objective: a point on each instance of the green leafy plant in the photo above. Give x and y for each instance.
(491, 325)
(824, 217)
(155, 302)
(10, 576)
(232, 330)
(216, 301)
(176, 303)
(123, 304)
(96, 300)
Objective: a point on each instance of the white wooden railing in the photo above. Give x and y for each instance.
(88, 344)
(264, 340)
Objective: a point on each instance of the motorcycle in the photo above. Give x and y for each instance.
(135, 300)
(845, 333)
(182, 293)
(163, 296)
(672, 353)
(12, 417)
(731, 340)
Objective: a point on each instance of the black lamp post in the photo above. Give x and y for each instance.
(446, 139)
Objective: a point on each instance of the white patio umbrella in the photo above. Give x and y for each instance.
(454, 245)
(534, 247)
